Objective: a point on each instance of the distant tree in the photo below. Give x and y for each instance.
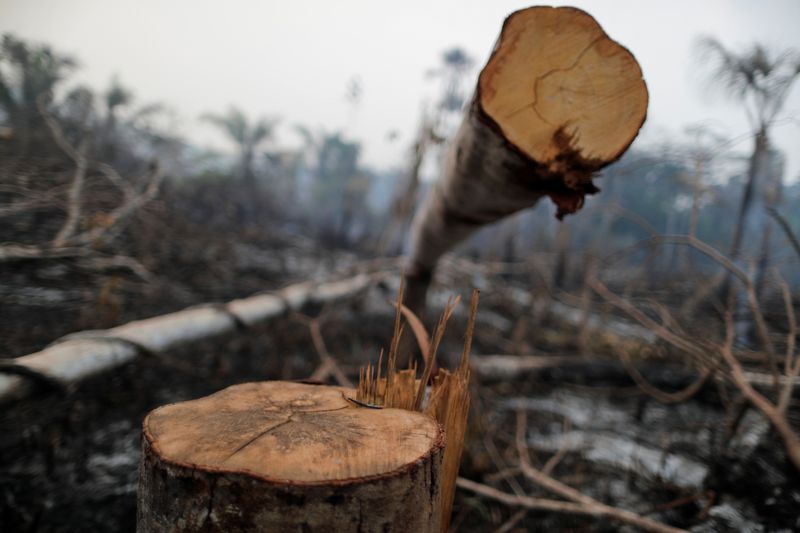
(354, 94)
(27, 71)
(340, 186)
(122, 123)
(761, 81)
(115, 97)
(703, 147)
(456, 64)
(454, 67)
(247, 136)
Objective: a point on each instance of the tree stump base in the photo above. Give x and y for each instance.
(282, 456)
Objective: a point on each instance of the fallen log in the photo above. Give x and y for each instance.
(504, 367)
(280, 456)
(81, 355)
(557, 101)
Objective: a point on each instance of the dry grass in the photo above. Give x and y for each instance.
(448, 399)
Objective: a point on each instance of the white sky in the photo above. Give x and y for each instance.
(293, 58)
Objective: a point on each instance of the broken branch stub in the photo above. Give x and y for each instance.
(557, 101)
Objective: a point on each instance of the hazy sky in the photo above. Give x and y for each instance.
(293, 58)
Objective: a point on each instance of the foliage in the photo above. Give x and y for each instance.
(26, 72)
(247, 136)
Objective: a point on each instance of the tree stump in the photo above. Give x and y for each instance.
(282, 456)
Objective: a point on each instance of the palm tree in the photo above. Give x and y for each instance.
(117, 96)
(248, 137)
(761, 81)
(27, 72)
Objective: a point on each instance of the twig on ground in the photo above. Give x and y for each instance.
(551, 463)
(542, 504)
(68, 238)
(658, 394)
(700, 355)
(791, 367)
(778, 419)
(513, 520)
(500, 464)
(328, 364)
(79, 157)
(589, 504)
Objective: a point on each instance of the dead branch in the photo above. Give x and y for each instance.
(121, 262)
(567, 492)
(328, 364)
(774, 413)
(720, 258)
(509, 524)
(556, 458)
(700, 355)
(625, 214)
(118, 181)
(702, 293)
(74, 198)
(13, 252)
(34, 200)
(500, 464)
(787, 229)
(503, 367)
(69, 244)
(79, 157)
(777, 418)
(658, 394)
(68, 240)
(556, 506)
(791, 366)
(118, 216)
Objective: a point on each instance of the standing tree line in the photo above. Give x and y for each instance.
(323, 187)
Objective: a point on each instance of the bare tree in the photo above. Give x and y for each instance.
(71, 239)
(760, 80)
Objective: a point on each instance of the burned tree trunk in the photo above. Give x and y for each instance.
(280, 456)
(557, 101)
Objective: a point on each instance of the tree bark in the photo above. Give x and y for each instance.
(281, 456)
(557, 101)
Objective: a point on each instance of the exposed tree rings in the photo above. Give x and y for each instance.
(560, 89)
(290, 432)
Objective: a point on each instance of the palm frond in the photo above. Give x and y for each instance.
(756, 76)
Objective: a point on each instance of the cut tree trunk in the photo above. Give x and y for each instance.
(557, 101)
(75, 357)
(281, 456)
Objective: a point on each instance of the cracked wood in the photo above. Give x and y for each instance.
(284, 456)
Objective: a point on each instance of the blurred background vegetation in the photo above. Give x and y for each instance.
(109, 214)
